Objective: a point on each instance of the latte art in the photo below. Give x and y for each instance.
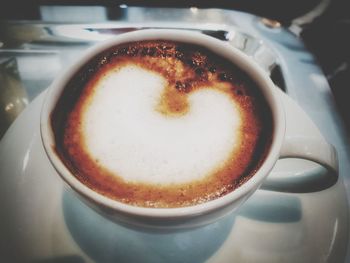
(124, 131)
(161, 124)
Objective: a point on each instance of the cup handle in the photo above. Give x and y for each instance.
(303, 140)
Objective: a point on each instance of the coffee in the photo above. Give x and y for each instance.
(161, 124)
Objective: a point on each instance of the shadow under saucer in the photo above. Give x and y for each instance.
(105, 241)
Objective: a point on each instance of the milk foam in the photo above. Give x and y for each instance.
(125, 133)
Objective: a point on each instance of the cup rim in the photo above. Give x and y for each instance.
(224, 49)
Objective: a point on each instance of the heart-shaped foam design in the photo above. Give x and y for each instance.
(126, 134)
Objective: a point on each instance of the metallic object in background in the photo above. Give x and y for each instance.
(13, 96)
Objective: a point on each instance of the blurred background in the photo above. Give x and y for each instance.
(323, 26)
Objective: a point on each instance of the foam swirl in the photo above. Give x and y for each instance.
(128, 136)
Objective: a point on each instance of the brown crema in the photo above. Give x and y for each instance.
(186, 68)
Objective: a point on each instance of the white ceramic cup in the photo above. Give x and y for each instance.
(294, 136)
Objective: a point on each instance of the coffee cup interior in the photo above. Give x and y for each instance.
(156, 47)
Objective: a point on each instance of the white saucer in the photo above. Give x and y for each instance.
(42, 221)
